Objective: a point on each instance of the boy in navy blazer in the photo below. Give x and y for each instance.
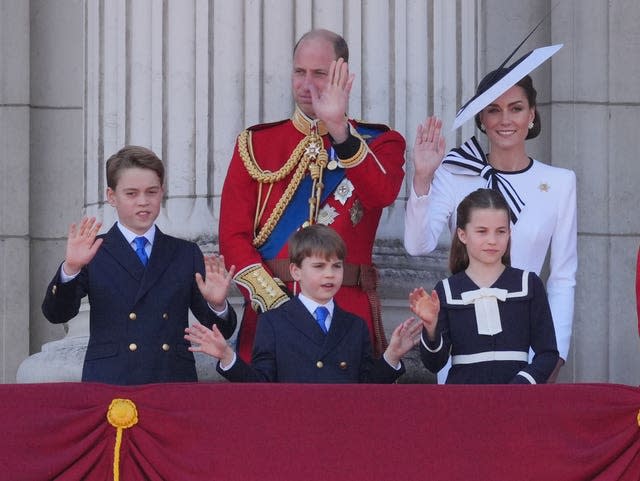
(294, 344)
(140, 282)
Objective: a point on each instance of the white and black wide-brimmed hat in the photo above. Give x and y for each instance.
(501, 80)
(497, 82)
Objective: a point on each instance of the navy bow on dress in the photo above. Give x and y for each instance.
(469, 159)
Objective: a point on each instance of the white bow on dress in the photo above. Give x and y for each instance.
(485, 301)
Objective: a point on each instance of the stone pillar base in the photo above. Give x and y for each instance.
(59, 361)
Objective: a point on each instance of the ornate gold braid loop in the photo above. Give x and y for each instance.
(265, 176)
(278, 210)
(297, 156)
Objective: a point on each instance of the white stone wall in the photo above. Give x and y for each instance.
(596, 114)
(56, 159)
(183, 77)
(14, 186)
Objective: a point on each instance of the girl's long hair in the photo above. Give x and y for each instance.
(478, 199)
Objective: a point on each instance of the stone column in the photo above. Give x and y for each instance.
(57, 180)
(14, 186)
(596, 113)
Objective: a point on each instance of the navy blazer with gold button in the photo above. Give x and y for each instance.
(290, 347)
(137, 314)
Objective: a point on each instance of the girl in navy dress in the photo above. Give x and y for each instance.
(487, 315)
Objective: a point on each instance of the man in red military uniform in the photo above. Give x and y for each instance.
(319, 166)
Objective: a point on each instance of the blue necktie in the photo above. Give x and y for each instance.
(142, 254)
(321, 316)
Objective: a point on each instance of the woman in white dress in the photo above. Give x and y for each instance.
(542, 198)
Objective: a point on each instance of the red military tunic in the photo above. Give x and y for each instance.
(253, 198)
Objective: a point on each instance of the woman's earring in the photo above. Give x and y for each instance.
(482, 129)
(530, 125)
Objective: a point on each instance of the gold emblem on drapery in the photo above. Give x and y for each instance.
(122, 414)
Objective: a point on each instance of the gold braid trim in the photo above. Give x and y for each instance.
(265, 176)
(264, 290)
(278, 210)
(309, 153)
(361, 154)
(308, 149)
(355, 159)
(305, 124)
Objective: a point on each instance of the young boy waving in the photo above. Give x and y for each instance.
(310, 338)
(140, 282)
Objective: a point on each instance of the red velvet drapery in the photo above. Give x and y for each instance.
(282, 432)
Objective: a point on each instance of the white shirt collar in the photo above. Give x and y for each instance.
(311, 305)
(129, 235)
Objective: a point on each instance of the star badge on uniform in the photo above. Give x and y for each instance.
(327, 215)
(343, 191)
(312, 151)
(544, 187)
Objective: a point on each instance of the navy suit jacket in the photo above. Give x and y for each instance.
(290, 347)
(138, 315)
